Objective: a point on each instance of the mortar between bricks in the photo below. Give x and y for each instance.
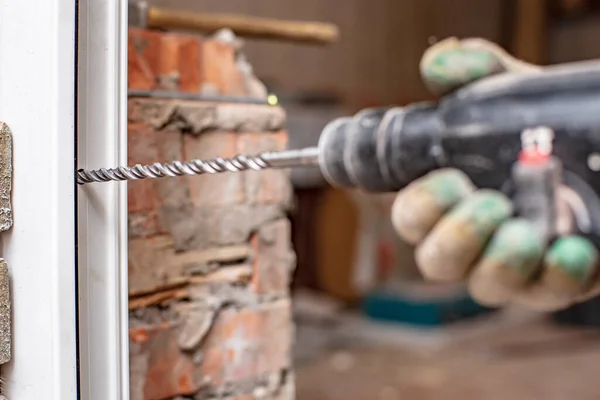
(210, 257)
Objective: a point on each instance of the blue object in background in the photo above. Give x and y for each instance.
(421, 310)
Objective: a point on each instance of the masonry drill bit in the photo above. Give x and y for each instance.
(282, 159)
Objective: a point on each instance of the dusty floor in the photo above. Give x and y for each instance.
(526, 359)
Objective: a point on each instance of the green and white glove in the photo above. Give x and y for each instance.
(463, 233)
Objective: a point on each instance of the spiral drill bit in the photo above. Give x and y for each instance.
(282, 159)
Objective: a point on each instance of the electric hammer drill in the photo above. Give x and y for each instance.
(483, 129)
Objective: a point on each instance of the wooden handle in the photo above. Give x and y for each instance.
(244, 26)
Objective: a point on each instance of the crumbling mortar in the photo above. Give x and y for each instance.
(196, 117)
(265, 387)
(168, 82)
(187, 236)
(229, 295)
(207, 268)
(153, 315)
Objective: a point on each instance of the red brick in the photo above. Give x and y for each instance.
(147, 146)
(141, 144)
(168, 62)
(243, 345)
(180, 60)
(214, 189)
(142, 195)
(219, 67)
(240, 346)
(168, 372)
(190, 74)
(273, 258)
(173, 192)
(140, 76)
(143, 58)
(268, 186)
(185, 62)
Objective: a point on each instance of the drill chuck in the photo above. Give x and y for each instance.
(380, 150)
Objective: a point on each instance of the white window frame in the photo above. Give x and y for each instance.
(37, 101)
(41, 103)
(102, 207)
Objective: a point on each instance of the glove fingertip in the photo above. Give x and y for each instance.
(419, 207)
(510, 260)
(449, 65)
(570, 264)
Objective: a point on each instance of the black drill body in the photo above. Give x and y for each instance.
(476, 129)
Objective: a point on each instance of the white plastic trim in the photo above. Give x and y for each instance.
(102, 207)
(37, 101)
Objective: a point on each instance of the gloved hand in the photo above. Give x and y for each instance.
(462, 233)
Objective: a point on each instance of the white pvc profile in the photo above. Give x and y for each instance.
(37, 101)
(102, 207)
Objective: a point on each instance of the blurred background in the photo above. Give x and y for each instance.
(376, 59)
(367, 327)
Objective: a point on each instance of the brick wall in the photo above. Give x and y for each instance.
(209, 256)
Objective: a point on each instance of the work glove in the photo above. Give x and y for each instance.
(464, 233)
